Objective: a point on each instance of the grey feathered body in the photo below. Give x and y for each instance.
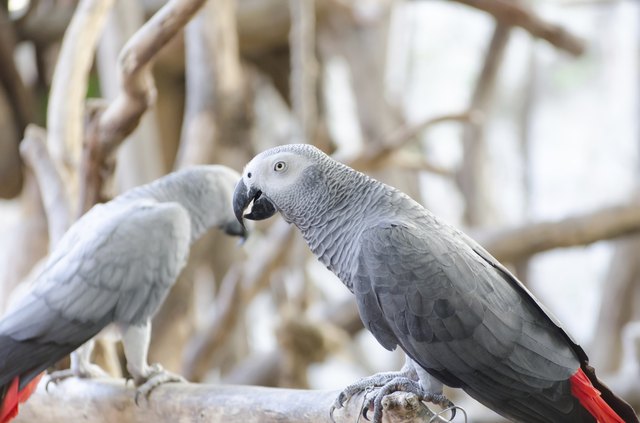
(116, 264)
(424, 286)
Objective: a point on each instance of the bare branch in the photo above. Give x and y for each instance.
(110, 401)
(513, 244)
(217, 112)
(10, 79)
(625, 381)
(304, 66)
(143, 145)
(122, 116)
(54, 193)
(108, 126)
(616, 304)
(471, 176)
(65, 114)
(237, 293)
(379, 155)
(23, 244)
(513, 13)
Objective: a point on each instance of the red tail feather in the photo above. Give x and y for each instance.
(590, 399)
(13, 398)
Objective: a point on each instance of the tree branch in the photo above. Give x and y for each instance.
(472, 174)
(112, 401)
(378, 156)
(65, 112)
(238, 289)
(512, 13)
(137, 91)
(110, 125)
(54, 194)
(513, 244)
(304, 67)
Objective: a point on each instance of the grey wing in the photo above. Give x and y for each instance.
(458, 316)
(117, 265)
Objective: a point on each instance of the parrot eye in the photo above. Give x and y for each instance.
(279, 166)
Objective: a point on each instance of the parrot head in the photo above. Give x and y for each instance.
(282, 179)
(214, 189)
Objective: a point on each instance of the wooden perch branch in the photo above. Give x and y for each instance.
(111, 401)
(513, 13)
(514, 244)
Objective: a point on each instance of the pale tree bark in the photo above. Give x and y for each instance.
(25, 244)
(112, 123)
(509, 245)
(65, 115)
(362, 43)
(15, 112)
(139, 159)
(238, 289)
(110, 401)
(54, 194)
(216, 129)
(472, 177)
(624, 381)
(616, 305)
(303, 77)
(515, 13)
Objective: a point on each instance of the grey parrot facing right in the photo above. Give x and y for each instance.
(460, 316)
(116, 264)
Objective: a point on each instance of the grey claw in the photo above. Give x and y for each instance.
(137, 398)
(331, 410)
(46, 386)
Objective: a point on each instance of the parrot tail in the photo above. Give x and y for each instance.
(12, 397)
(594, 401)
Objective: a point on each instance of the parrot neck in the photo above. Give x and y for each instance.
(184, 190)
(333, 227)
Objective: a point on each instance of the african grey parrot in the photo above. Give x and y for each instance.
(460, 316)
(116, 264)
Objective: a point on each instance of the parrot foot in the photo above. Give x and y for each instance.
(85, 371)
(157, 376)
(366, 384)
(405, 384)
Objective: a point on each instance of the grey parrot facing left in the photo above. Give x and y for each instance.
(116, 264)
(461, 318)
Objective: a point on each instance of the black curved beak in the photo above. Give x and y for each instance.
(242, 196)
(235, 228)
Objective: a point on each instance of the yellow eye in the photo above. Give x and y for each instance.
(279, 166)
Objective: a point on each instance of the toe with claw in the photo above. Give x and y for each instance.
(406, 385)
(368, 384)
(156, 377)
(86, 371)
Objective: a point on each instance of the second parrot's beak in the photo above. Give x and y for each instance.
(234, 228)
(261, 209)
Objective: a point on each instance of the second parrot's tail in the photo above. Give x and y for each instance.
(11, 396)
(600, 402)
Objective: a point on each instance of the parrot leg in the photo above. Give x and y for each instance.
(81, 366)
(135, 340)
(378, 380)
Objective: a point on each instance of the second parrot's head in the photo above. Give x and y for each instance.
(289, 179)
(210, 189)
